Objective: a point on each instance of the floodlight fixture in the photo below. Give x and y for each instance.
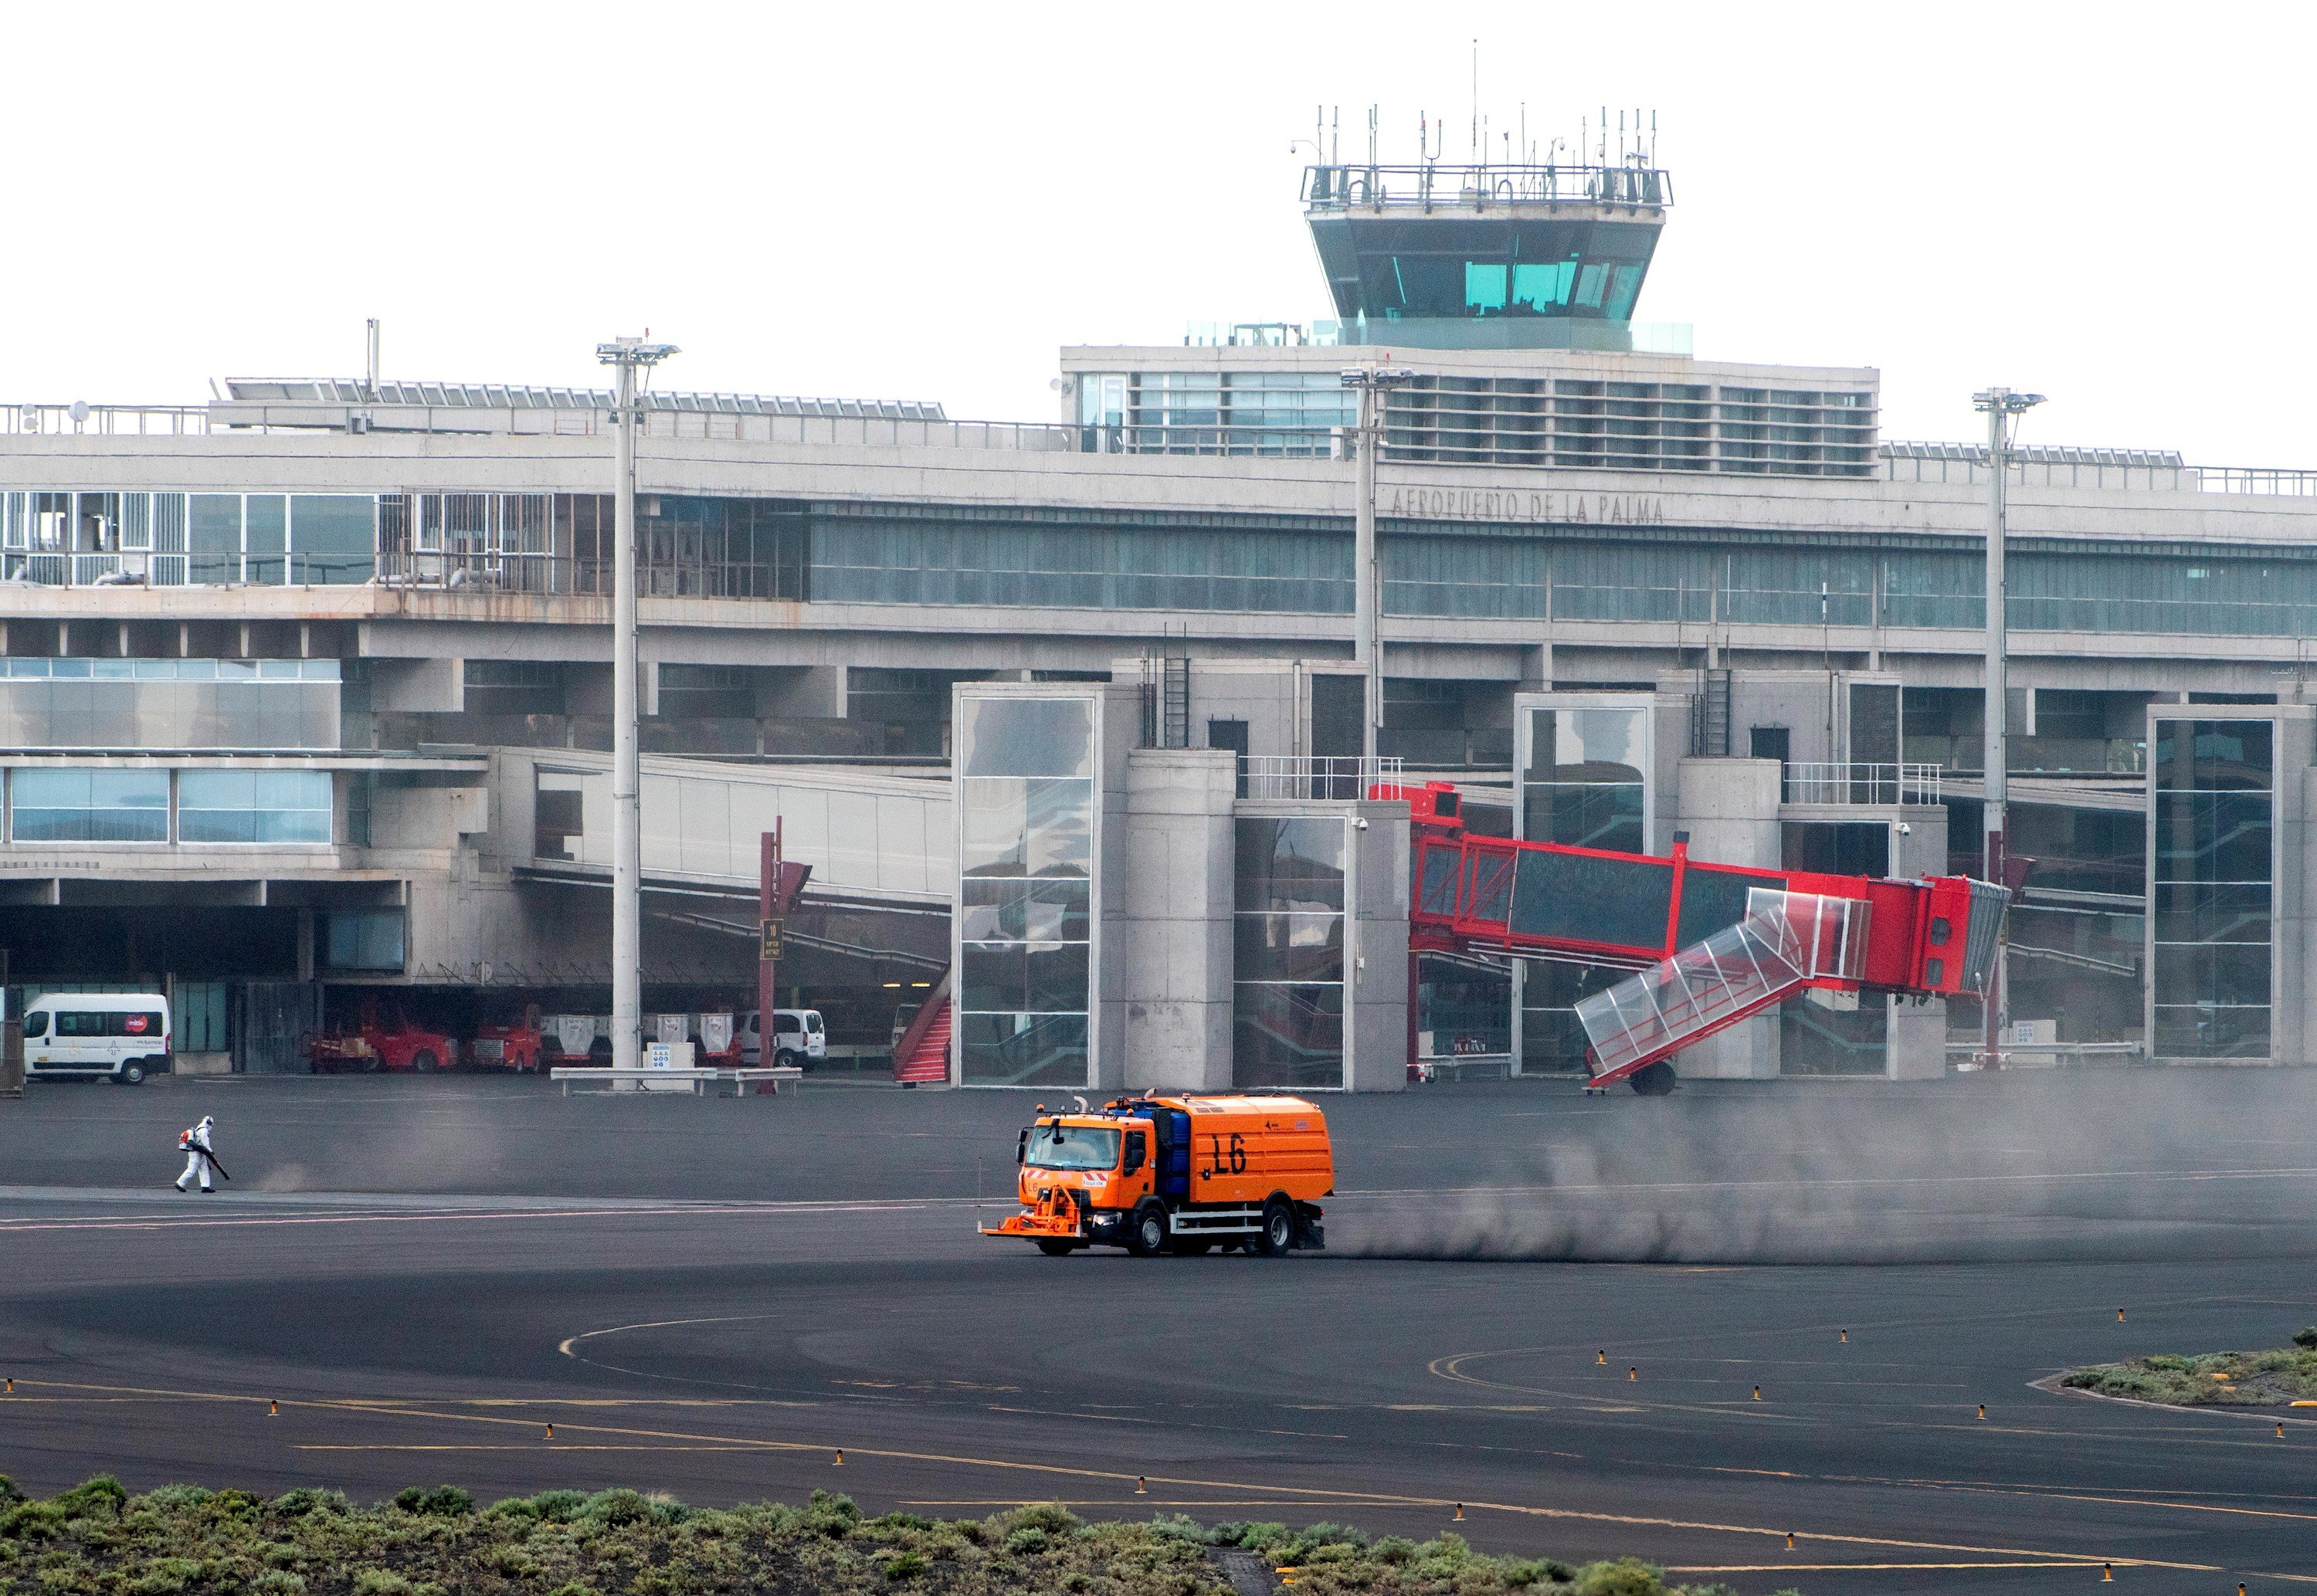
(633, 352)
(2004, 400)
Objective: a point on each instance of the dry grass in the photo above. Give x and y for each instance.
(98, 1540)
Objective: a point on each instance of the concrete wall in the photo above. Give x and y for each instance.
(1376, 1023)
(1729, 808)
(1174, 931)
(1918, 1030)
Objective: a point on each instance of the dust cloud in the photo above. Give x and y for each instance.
(2108, 1163)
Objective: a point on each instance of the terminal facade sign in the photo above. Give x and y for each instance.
(1521, 504)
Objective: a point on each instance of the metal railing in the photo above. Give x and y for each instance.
(1350, 186)
(65, 421)
(1304, 777)
(1807, 781)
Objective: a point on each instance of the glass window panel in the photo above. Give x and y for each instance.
(1022, 1050)
(2211, 1032)
(1028, 737)
(1289, 948)
(1589, 744)
(2227, 974)
(97, 805)
(1293, 864)
(1484, 286)
(995, 910)
(1288, 1035)
(265, 534)
(2213, 755)
(1586, 816)
(270, 806)
(1024, 828)
(364, 940)
(215, 541)
(2207, 913)
(2213, 836)
(1542, 284)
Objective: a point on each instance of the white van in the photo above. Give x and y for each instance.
(798, 1039)
(81, 1035)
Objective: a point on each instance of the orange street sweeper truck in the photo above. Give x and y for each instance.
(1180, 1174)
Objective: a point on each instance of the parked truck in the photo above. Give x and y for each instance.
(381, 1036)
(1174, 1174)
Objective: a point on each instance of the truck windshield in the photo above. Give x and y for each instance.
(1073, 1147)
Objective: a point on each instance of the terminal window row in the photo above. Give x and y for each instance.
(1490, 420)
(109, 805)
(841, 552)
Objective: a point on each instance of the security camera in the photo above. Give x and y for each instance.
(1360, 821)
(1905, 830)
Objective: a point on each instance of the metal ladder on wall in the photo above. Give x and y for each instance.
(1709, 716)
(1167, 701)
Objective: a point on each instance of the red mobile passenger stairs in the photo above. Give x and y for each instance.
(1710, 944)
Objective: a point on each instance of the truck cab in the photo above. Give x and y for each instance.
(1174, 1174)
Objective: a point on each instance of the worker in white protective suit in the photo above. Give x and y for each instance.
(201, 1156)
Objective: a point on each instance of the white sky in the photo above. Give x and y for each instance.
(2108, 203)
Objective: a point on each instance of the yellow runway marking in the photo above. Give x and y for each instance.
(389, 1408)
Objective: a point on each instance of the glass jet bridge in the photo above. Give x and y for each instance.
(1710, 944)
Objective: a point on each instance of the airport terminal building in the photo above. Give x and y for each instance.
(304, 693)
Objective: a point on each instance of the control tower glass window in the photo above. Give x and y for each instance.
(1395, 268)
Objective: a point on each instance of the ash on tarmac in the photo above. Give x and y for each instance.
(715, 1296)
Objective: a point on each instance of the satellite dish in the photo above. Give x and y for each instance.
(79, 411)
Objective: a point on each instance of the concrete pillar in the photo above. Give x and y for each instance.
(1375, 1029)
(1916, 1048)
(1729, 808)
(1175, 935)
(800, 693)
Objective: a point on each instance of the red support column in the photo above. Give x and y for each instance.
(768, 889)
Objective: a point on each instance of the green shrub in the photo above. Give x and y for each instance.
(1627, 1576)
(307, 1499)
(98, 1496)
(2306, 1336)
(443, 1502)
(559, 1507)
(187, 1540)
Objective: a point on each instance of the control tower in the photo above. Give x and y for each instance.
(1440, 256)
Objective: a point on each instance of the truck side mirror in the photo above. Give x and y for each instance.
(1022, 1146)
(1134, 1144)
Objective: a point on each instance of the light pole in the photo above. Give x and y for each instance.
(2001, 407)
(626, 356)
(1372, 383)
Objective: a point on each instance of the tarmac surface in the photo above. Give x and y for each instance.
(1553, 1311)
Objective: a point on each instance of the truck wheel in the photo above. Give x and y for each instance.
(1054, 1249)
(423, 1062)
(1146, 1235)
(1654, 1081)
(1278, 1228)
(131, 1073)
